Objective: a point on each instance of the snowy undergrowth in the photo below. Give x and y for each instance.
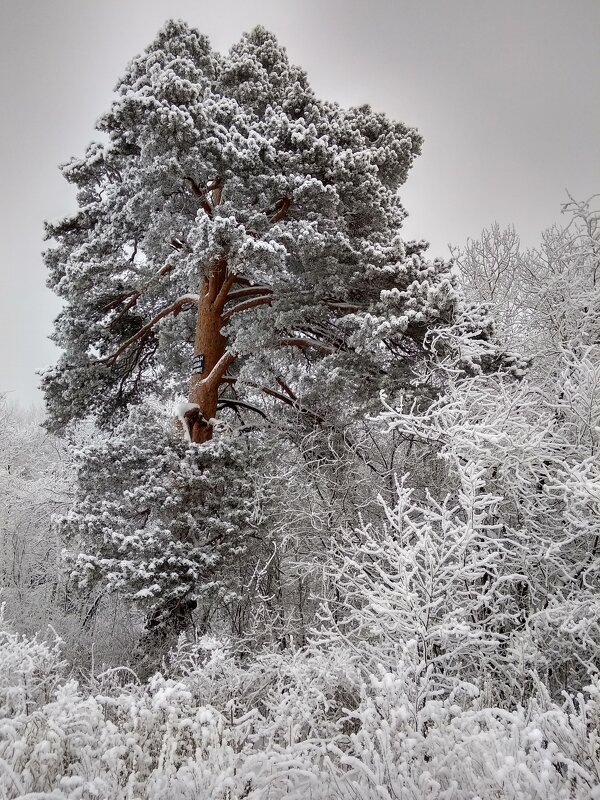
(309, 724)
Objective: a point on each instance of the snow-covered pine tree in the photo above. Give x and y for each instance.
(239, 229)
(236, 238)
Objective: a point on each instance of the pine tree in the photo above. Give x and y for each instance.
(237, 228)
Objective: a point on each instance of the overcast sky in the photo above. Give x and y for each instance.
(505, 93)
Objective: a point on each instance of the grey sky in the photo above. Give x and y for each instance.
(505, 93)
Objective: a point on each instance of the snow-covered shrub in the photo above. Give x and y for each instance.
(426, 582)
(455, 747)
(532, 579)
(307, 724)
(30, 670)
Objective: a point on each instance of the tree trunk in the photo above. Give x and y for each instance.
(210, 348)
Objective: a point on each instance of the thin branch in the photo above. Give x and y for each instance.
(278, 211)
(228, 403)
(174, 308)
(222, 296)
(135, 294)
(116, 302)
(251, 291)
(285, 387)
(218, 371)
(246, 305)
(276, 395)
(177, 244)
(271, 392)
(304, 344)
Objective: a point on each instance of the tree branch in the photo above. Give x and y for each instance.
(217, 191)
(120, 298)
(299, 341)
(285, 387)
(229, 403)
(246, 305)
(216, 277)
(174, 308)
(215, 188)
(134, 295)
(293, 403)
(278, 211)
(201, 194)
(222, 297)
(219, 370)
(251, 291)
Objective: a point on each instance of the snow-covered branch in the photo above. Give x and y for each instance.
(247, 305)
(304, 344)
(174, 308)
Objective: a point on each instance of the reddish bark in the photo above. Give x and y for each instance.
(211, 345)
